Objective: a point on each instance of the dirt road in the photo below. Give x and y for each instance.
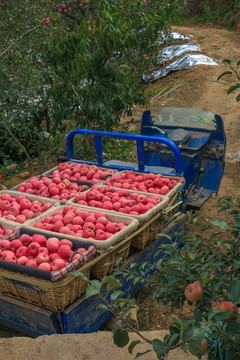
(200, 90)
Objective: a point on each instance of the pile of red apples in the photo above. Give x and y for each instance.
(144, 182)
(81, 223)
(20, 208)
(38, 252)
(81, 172)
(54, 188)
(4, 232)
(108, 198)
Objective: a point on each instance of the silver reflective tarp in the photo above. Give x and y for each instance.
(185, 61)
(170, 52)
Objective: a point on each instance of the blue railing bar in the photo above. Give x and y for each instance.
(139, 142)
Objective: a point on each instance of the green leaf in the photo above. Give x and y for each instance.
(206, 281)
(221, 223)
(77, 273)
(116, 294)
(223, 74)
(103, 306)
(163, 235)
(93, 289)
(173, 339)
(197, 315)
(234, 292)
(228, 60)
(159, 348)
(238, 97)
(219, 315)
(142, 353)
(232, 88)
(112, 282)
(132, 345)
(174, 261)
(120, 337)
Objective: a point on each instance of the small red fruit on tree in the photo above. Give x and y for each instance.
(46, 21)
(228, 306)
(193, 291)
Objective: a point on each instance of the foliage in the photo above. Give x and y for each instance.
(98, 58)
(75, 63)
(215, 12)
(232, 72)
(211, 258)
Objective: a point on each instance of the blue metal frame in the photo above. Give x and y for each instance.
(191, 153)
(139, 142)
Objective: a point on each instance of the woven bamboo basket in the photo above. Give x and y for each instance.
(171, 193)
(164, 200)
(10, 225)
(132, 225)
(86, 185)
(54, 295)
(105, 262)
(50, 171)
(146, 233)
(41, 199)
(173, 208)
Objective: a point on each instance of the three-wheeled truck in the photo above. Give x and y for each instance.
(184, 144)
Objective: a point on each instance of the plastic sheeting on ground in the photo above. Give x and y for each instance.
(185, 61)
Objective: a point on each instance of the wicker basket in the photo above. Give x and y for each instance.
(54, 290)
(86, 185)
(106, 261)
(172, 192)
(132, 225)
(164, 200)
(50, 171)
(46, 293)
(7, 224)
(146, 233)
(32, 198)
(173, 208)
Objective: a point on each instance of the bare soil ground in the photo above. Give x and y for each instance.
(198, 89)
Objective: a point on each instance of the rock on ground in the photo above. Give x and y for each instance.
(96, 346)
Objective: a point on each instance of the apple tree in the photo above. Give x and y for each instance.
(22, 86)
(200, 268)
(98, 51)
(74, 59)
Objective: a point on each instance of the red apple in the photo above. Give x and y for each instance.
(25, 239)
(52, 244)
(193, 291)
(21, 251)
(40, 239)
(22, 260)
(44, 266)
(33, 248)
(31, 263)
(42, 258)
(66, 242)
(11, 258)
(58, 264)
(64, 251)
(5, 245)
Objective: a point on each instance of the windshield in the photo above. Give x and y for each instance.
(184, 118)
